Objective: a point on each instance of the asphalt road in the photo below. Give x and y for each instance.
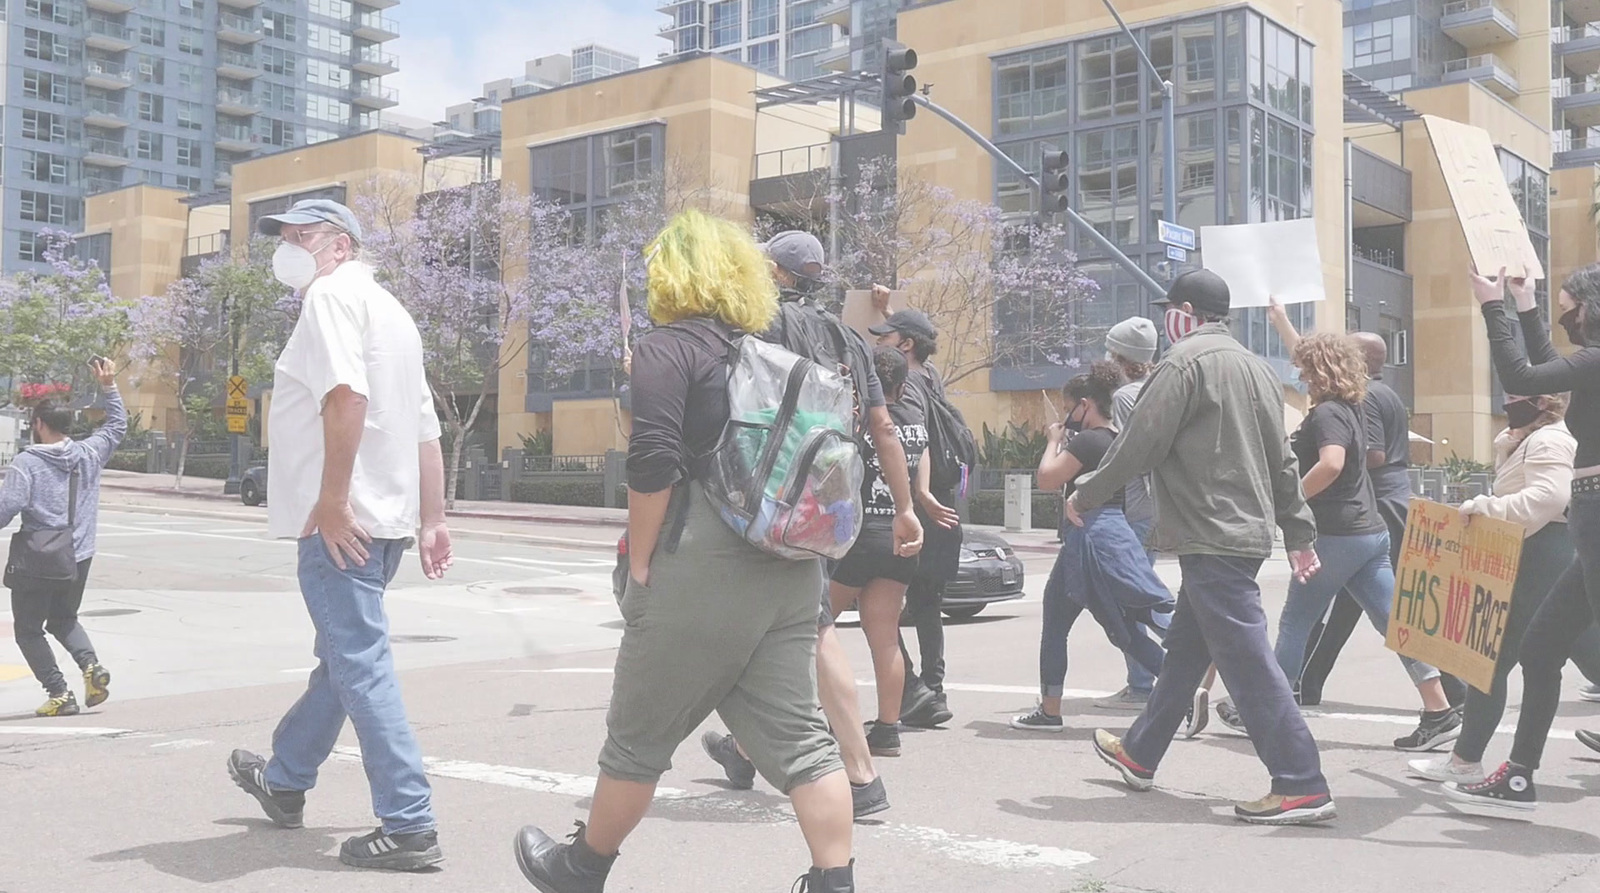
(506, 667)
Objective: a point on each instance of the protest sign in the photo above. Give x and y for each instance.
(1266, 260)
(1452, 594)
(1496, 236)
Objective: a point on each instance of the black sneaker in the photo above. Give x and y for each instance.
(392, 852)
(1509, 789)
(827, 880)
(561, 867)
(1434, 731)
(1230, 717)
(722, 748)
(870, 798)
(286, 809)
(1588, 739)
(928, 711)
(883, 739)
(1038, 721)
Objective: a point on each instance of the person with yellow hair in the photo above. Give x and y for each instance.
(711, 622)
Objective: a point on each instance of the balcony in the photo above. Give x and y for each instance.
(1578, 100)
(836, 13)
(105, 153)
(1478, 23)
(1578, 48)
(791, 181)
(94, 184)
(378, 4)
(374, 27)
(236, 137)
(107, 75)
(238, 65)
(1575, 149)
(837, 57)
(236, 102)
(115, 7)
(1380, 190)
(1487, 69)
(373, 95)
(240, 30)
(104, 34)
(107, 113)
(374, 61)
(240, 4)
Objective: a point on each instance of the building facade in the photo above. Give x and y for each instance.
(481, 115)
(787, 38)
(172, 93)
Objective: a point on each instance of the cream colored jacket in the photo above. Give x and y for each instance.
(1533, 478)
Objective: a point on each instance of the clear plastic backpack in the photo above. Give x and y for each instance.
(786, 475)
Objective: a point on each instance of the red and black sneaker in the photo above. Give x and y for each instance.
(1508, 790)
(1109, 747)
(1280, 809)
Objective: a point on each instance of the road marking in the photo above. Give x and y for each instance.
(298, 670)
(584, 562)
(986, 851)
(66, 731)
(12, 672)
(181, 744)
(99, 554)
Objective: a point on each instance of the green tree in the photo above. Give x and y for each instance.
(52, 323)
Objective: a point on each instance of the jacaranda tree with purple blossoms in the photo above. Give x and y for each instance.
(52, 323)
(186, 337)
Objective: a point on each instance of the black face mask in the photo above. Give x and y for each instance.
(1574, 329)
(1073, 424)
(1521, 413)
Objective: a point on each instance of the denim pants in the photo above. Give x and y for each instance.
(1359, 565)
(41, 606)
(354, 678)
(1220, 619)
(1141, 680)
(1572, 605)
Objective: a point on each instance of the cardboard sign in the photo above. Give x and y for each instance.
(1496, 235)
(859, 314)
(1264, 260)
(1452, 595)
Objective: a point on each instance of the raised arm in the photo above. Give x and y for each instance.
(1535, 329)
(107, 437)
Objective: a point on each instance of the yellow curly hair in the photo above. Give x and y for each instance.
(706, 266)
(1332, 368)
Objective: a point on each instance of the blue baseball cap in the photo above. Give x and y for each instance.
(311, 211)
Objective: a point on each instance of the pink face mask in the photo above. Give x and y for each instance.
(1179, 324)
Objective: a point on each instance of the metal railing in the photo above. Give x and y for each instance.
(97, 185)
(236, 97)
(239, 133)
(108, 28)
(1472, 63)
(798, 160)
(213, 243)
(1564, 87)
(1566, 141)
(1565, 33)
(1457, 7)
(376, 21)
(236, 58)
(560, 464)
(244, 24)
(101, 106)
(376, 55)
(377, 91)
(107, 68)
(101, 146)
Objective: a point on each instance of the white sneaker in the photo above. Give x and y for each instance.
(1446, 769)
(1590, 692)
(1199, 714)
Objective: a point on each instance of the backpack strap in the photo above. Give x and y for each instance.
(72, 499)
(678, 504)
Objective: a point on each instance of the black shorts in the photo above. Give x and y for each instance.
(873, 558)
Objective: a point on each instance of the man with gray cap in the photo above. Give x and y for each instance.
(355, 473)
(1131, 344)
(1209, 424)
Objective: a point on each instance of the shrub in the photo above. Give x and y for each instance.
(988, 507)
(130, 460)
(559, 492)
(1018, 446)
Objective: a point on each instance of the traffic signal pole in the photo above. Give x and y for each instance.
(1169, 134)
(1122, 260)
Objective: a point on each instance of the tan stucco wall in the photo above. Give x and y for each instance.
(587, 427)
(1572, 226)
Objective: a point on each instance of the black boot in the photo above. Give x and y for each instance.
(562, 867)
(828, 880)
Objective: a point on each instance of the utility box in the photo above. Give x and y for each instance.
(1019, 502)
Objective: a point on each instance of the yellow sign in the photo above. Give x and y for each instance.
(238, 387)
(238, 406)
(238, 424)
(1452, 596)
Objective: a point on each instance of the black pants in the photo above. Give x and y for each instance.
(939, 563)
(38, 607)
(1330, 638)
(1573, 604)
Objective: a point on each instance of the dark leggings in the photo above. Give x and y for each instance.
(1569, 610)
(38, 607)
(1545, 555)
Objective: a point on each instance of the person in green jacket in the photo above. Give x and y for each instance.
(1209, 425)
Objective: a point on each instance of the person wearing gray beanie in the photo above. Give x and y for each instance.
(1132, 340)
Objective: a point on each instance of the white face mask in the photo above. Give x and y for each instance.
(295, 266)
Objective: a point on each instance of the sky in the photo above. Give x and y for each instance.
(449, 48)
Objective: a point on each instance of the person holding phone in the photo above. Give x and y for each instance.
(55, 483)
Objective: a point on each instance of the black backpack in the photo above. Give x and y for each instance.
(952, 449)
(820, 337)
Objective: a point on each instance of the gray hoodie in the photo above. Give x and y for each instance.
(37, 484)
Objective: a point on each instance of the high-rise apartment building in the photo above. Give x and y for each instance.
(585, 63)
(782, 37)
(173, 93)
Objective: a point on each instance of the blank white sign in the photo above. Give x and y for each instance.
(1261, 260)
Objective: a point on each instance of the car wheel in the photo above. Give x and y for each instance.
(964, 613)
(249, 494)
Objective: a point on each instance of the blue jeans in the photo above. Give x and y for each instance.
(354, 678)
(1139, 679)
(1357, 564)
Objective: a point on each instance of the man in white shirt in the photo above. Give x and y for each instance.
(355, 472)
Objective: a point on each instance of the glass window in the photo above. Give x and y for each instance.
(277, 60)
(1108, 78)
(561, 172)
(191, 40)
(192, 9)
(1186, 54)
(1033, 92)
(763, 18)
(152, 70)
(763, 56)
(187, 152)
(1233, 53)
(191, 77)
(1108, 182)
(46, 207)
(278, 25)
(1252, 42)
(190, 115)
(1307, 108)
(152, 32)
(1282, 54)
(726, 27)
(151, 108)
(804, 12)
(148, 146)
(1283, 170)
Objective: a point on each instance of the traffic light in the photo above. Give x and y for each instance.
(898, 86)
(1053, 182)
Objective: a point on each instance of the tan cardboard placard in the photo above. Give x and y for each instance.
(1496, 235)
(859, 314)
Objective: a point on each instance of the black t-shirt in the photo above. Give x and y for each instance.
(1388, 429)
(680, 403)
(1346, 507)
(876, 498)
(1089, 447)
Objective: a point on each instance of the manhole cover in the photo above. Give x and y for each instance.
(541, 590)
(108, 612)
(421, 640)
